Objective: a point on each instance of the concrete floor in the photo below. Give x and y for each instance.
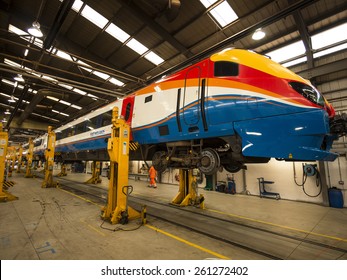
(53, 224)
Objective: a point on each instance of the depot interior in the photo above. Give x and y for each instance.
(86, 54)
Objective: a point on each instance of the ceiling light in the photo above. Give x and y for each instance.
(258, 34)
(19, 78)
(7, 112)
(35, 30)
(11, 100)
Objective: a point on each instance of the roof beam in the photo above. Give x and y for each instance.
(324, 69)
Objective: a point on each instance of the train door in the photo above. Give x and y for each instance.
(191, 98)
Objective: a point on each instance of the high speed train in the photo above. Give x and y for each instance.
(232, 108)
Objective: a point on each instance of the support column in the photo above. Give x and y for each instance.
(62, 171)
(323, 178)
(188, 190)
(29, 156)
(49, 156)
(117, 209)
(20, 155)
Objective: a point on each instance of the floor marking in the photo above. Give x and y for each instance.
(188, 243)
(93, 228)
(280, 226)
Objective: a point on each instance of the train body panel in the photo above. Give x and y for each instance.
(242, 107)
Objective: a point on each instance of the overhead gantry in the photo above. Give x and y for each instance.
(117, 209)
(49, 156)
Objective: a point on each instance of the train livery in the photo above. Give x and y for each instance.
(233, 108)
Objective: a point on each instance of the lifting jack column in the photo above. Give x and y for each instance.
(188, 190)
(117, 209)
(30, 156)
(49, 156)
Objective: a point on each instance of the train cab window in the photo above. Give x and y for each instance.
(226, 69)
(80, 128)
(37, 143)
(127, 111)
(148, 99)
(107, 118)
(308, 92)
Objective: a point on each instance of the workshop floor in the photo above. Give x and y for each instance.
(53, 224)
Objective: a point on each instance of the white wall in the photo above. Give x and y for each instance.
(282, 174)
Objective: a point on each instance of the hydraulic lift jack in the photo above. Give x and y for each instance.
(188, 190)
(117, 209)
(49, 156)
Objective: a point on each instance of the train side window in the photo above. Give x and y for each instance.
(226, 69)
(80, 128)
(59, 135)
(107, 118)
(148, 99)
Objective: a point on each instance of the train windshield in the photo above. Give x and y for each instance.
(308, 92)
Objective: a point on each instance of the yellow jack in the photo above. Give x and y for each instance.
(117, 209)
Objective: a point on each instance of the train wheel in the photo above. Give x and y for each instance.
(159, 161)
(232, 168)
(209, 162)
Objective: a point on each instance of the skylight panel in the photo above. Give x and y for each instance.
(329, 37)
(208, 3)
(295, 61)
(81, 92)
(224, 14)
(117, 33)
(12, 63)
(137, 46)
(154, 58)
(330, 50)
(287, 52)
(16, 30)
(101, 75)
(94, 17)
(64, 55)
(116, 82)
(77, 5)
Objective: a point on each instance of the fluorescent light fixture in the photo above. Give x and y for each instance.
(87, 69)
(258, 34)
(8, 82)
(76, 107)
(94, 17)
(224, 14)
(12, 63)
(287, 52)
(101, 75)
(65, 86)
(137, 46)
(64, 55)
(77, 5)
(38, 42)
(154, 58)
(52, 98)
(7, 112)
(81, 92)
(65, 102)
(116, 82)
(208, 3)
(11, 100)
(55, 111)
(49, 78)
(19, 78)
(26, 52)
(117, 33)
(35, 30)
(329, 37)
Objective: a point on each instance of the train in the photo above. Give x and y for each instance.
(230, 109)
